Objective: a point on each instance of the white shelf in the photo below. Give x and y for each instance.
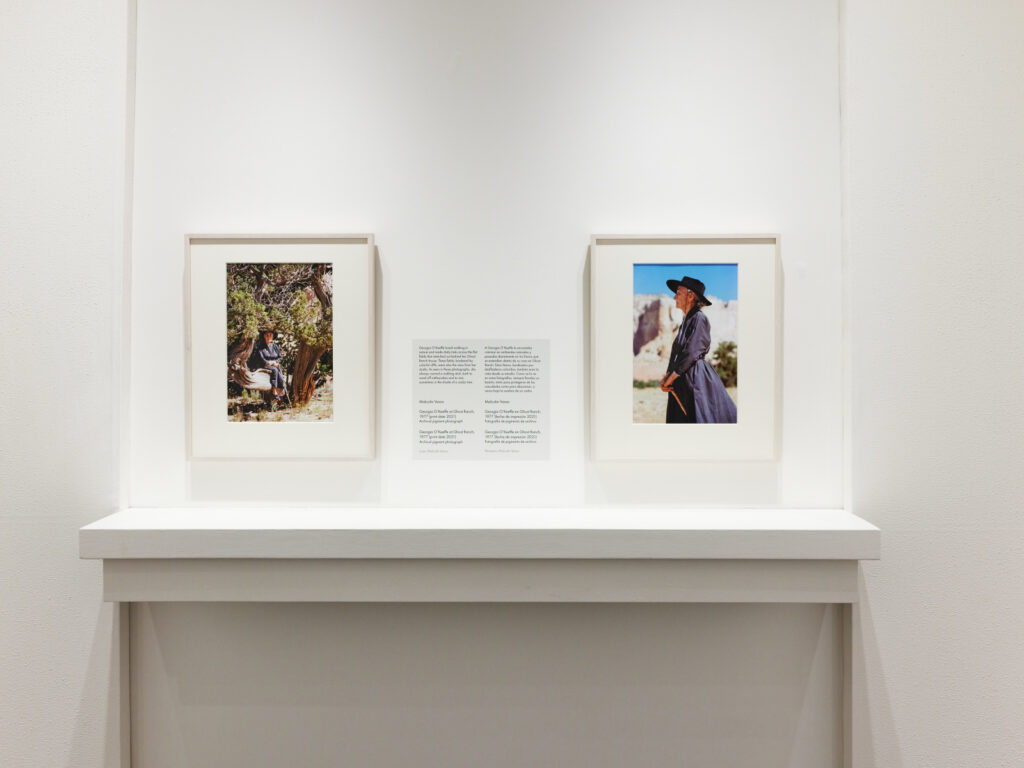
(480, 555)
(566, 533)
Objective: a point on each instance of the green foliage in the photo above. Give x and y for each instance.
(725, 362)
(637, 384)
(282, 297)
(308, 322)
(323, 369)
(245, 315)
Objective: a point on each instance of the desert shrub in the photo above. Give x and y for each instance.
(725, 362)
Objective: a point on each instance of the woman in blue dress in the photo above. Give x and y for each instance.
(696, 392)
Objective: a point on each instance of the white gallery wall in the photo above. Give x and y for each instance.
(934, 169)
(483, 144)
(62, 87)
(933, 222)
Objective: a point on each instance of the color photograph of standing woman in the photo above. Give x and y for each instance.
(685, 350)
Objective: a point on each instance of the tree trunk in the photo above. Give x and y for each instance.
(320, 289)
(238, 359)
(306, 359)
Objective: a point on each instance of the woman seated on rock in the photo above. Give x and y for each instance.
(267, 354)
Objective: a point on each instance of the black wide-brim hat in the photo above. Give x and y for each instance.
(269, 330)
(693, 284)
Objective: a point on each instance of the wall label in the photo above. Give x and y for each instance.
(476, 399)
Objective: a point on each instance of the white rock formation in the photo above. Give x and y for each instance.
(656, 322)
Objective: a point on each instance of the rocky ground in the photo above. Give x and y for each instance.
(320, 408)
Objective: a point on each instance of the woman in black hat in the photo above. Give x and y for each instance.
(696, 393)
(267, 354)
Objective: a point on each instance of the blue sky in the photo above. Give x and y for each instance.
(720, 279)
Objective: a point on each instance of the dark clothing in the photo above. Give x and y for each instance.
(699, 387)
(674, 414)
(268, 353)
(262, 356)
(276, 376)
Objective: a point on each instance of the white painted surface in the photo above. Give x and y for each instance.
(755, 435)
(62, 87)
(349, 432)
(935, 204)
(550, 580)
(932, 125)
(485, 685)
(192, 533)
(483, 145)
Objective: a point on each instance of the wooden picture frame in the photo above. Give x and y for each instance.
(615, 433)
(348, 430)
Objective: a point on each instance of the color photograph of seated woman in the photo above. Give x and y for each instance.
(685, 350)
(280, 365)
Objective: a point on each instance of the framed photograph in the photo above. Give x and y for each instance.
(685, 341)
(280, 342)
